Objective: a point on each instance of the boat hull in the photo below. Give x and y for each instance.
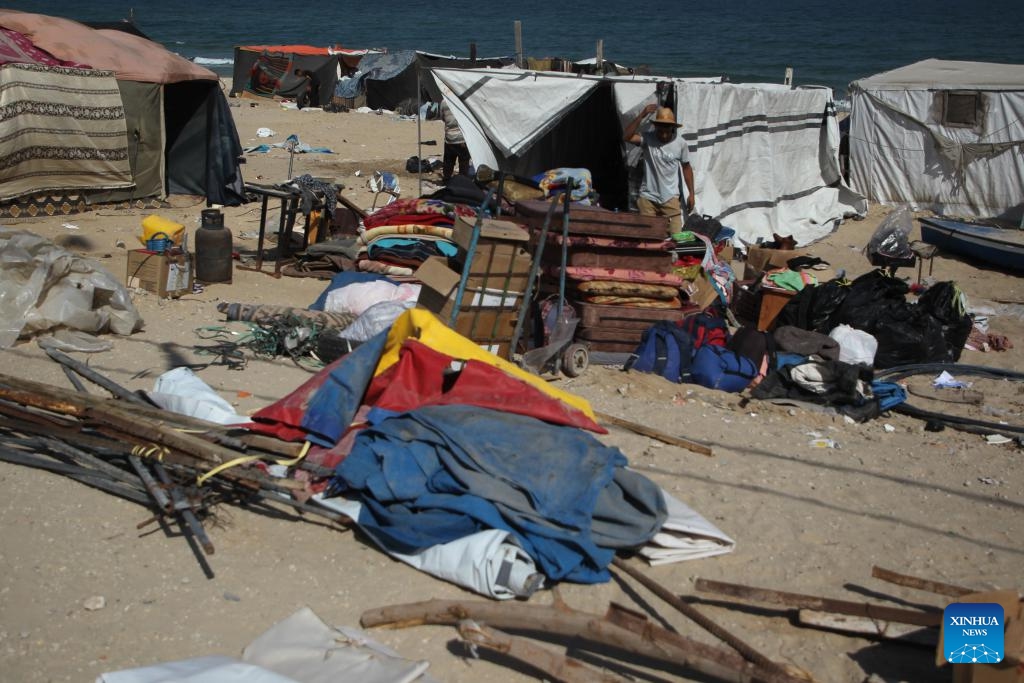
(992, 246)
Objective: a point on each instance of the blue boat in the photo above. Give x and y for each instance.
(999, 247)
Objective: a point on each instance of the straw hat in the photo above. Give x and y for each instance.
(666, 117)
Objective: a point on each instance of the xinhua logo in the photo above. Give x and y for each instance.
(972, 633)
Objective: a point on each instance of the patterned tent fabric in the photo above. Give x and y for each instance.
(129, 57)
(64, 129)
(16, 48)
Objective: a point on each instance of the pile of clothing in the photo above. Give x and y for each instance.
(399, 237)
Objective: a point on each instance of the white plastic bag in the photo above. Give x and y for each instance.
(375, 320)
(43, 287)
(856, 347)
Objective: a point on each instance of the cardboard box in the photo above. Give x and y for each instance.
(773, 300)
(700, 292)
(487, 317)
(1013, 642)
(760, 260)
(166, 275)
(502, 259)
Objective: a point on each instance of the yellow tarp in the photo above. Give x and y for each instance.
(424, 326)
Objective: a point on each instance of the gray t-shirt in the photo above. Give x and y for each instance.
(661, 166)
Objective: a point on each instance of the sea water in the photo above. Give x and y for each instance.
(825, 43)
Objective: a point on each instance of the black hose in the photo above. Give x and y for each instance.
(965, 424)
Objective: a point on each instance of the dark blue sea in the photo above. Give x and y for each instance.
(826, 43)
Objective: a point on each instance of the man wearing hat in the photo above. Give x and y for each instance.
(664, 153)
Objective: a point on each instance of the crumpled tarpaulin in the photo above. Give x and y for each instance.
(440, 473)
(45, 287)
(410, 366)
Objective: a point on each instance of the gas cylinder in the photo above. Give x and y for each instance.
(213, 248)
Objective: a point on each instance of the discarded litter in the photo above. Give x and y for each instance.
(265, 133)
(947, 381)
(69, 226)
(997, 439)
(822, 443)
(888, 428)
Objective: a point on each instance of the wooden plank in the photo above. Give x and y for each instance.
(694, 446)
(873, 628)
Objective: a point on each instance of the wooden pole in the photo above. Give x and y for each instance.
(811, 602)
(696, 616)
(937, 587)
(517, 29)
(694, 446)
(652, 641)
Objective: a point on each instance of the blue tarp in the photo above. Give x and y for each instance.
(440, 473)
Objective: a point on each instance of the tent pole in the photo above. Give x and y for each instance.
(517, 29)
(419, 129)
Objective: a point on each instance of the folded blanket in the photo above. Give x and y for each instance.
(638, 289)
(371, 234)
(412, 207)
(587, 273)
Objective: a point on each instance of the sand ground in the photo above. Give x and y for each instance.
(944, 505)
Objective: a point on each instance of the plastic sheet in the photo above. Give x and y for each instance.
(43, 287)
(375, 319)
(890, 245)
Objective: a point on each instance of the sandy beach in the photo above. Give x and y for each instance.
(942, 505)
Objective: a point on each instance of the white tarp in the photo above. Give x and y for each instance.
(514, 108)
(299, 649)
(492, 564)
(765, 157)
(904, 150)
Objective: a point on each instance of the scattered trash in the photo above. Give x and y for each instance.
(69, 226)
(265, 133)
(94, 603)
(822, 443)
(991, 481)
(888, 428)
(997, 439)
(947, 381)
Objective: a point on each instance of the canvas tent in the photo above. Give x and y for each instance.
(137, 122)
(393, 78)
(269, 70)
(941, 135)
(765, 157)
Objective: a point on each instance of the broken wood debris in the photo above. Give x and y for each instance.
(800, 601)
(155, 458)
(559, 668)
(644, 430)
(634, 636)
(690, 612)
(908, 581)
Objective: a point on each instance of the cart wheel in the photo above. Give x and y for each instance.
(575, 360)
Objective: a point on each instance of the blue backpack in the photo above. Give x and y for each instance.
(718, 367)
(664, 349)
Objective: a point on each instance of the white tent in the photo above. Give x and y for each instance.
(941, 135)
(765, 157)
